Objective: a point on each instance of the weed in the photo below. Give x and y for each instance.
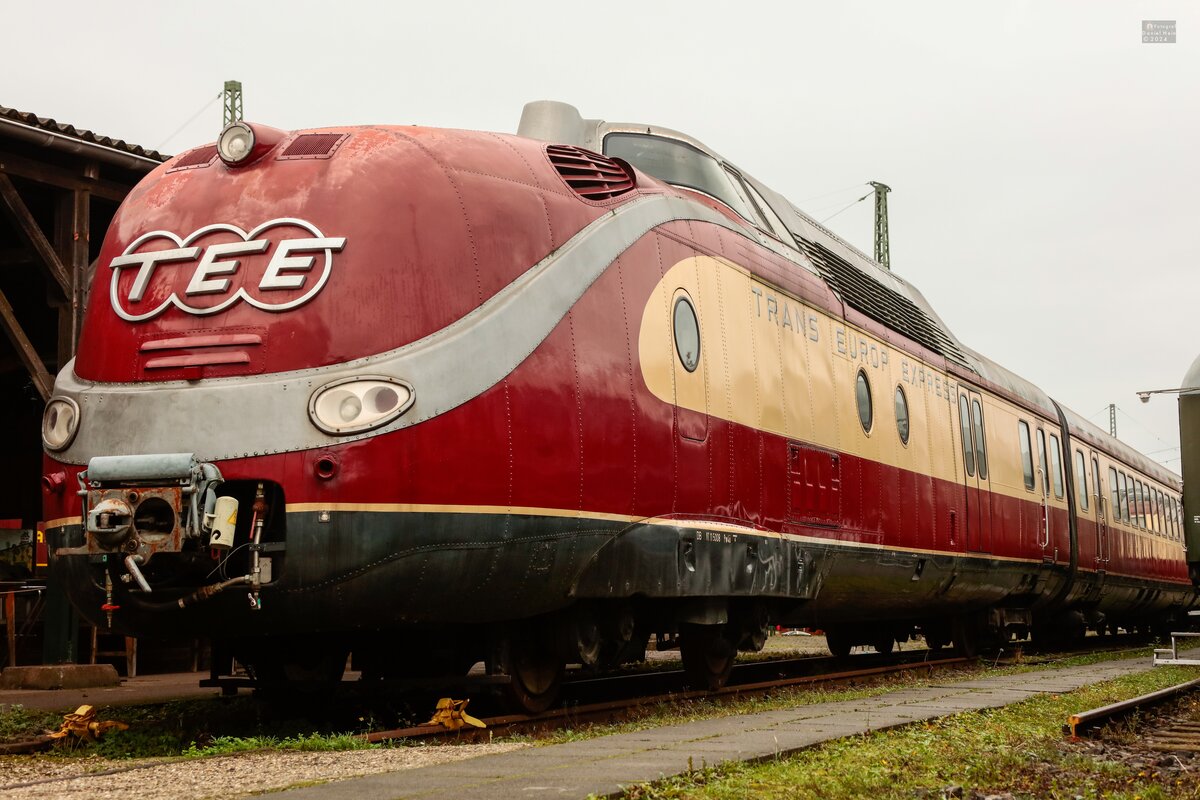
(1016, 749)
(18, 723)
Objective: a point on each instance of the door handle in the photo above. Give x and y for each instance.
(1044, 535)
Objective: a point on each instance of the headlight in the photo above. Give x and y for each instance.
(359, 404)
(59, 423)
(236, 142)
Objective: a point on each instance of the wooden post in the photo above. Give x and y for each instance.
(27, 226)
(71, 240)
(29, 356)
(10, 624)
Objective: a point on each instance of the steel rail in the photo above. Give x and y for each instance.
(1088, 720)
(608, 711)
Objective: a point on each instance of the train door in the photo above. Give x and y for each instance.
(973, 436)
(1043, 479)
(691, 393)
(1102, 512)
(1056, 534)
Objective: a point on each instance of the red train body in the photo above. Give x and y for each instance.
(467, 379)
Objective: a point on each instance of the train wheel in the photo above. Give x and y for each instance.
(839, 643)
(884, 642)
(536, 671)
(966, 638)
(707, 655)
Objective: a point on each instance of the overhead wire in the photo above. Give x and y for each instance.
(835, 191)
(859, 200)
(191, 119)
(1141, 425)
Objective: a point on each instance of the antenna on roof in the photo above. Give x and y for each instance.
(882, 254)
(231, 100)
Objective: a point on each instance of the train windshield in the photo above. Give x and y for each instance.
(679, 164)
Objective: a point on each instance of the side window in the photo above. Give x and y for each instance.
(773, 220)
(1056, 473)
(679, 164)
(1114, 502)
(1139, 510)
(1179, 523)
(1097, 487)
(1026, 452)
(1160, 516)
(862, 395)
(1081, 492)
(980, 439)
(1125, 499)
(687, 334)
(902, 414)
(1042, 463)
(964, 425)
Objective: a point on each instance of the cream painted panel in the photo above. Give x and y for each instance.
(775, 364)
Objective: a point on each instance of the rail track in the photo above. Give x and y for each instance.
(1180, 735)
(621, 697)
(743, 683)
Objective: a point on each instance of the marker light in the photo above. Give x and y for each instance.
(236, 143)
(59, 423)
(242, 143)
(359, 404)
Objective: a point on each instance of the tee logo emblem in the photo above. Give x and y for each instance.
(277, 266)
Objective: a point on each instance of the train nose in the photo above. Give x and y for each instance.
(111, 522)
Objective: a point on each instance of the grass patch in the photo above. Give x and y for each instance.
(790, 697)
(194, 728)
(18, 724)
(1018, 749)
(314, 742)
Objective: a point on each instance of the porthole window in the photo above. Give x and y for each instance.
(687, 334)
(863, 396)
(902, 414)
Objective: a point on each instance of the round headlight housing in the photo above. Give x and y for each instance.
(236, 143)
(359, 404)
(60, 422)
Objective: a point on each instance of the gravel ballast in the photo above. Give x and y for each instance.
(228, 776)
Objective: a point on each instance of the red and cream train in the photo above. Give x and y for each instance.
(360, 389)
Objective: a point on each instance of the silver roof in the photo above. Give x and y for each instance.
(553, 121)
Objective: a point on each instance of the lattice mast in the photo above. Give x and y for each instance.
(231, 100)
(882, 253)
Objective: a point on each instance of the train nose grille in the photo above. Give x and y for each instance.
(197, 355)
(591, 175)
(313, 145)
(200, 157)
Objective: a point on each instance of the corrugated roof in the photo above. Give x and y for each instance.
(63, 129)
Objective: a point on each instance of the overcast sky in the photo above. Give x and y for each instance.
(1044, 161)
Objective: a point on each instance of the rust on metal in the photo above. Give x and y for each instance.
(609, 710)
(452, 715)
(1086, 720)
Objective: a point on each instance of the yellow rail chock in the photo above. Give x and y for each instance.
(453, 714)
(83, 725)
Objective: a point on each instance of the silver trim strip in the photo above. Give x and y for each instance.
(238, 417)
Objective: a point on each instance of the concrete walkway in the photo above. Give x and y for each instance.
(604, 765)
(131, 691)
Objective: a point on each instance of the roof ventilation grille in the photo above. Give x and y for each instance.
(313, 145)
(591, 175)
(200, 157)
(881, 303)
